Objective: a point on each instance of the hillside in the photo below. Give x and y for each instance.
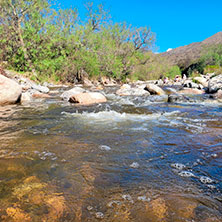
(185, 55)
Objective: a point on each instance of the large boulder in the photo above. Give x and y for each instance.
(68, 94)
(10, 91)
(88, 98)
(154, 90)
(215, 84)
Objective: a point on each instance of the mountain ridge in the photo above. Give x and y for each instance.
(183, 56)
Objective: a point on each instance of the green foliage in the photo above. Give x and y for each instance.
(210, 61)
(173, 71)
(212, 55)
(58, 45)
(213, 69)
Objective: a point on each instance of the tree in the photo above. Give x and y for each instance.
(17, 18)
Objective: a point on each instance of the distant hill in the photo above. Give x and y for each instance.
(184, 56)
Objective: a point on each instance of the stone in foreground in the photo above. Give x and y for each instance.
(88, 98)
(10, 91)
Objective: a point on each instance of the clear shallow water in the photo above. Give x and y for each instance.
(131, 159)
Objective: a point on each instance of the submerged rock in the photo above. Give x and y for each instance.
(191, 91)
(17, 214)
(88, 98)
(177, 98)
(159, 208)
(40, 95)
(10, 91)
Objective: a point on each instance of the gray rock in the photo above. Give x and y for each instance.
(215, 84)
(42, 89)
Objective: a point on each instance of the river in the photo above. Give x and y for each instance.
(130, 159)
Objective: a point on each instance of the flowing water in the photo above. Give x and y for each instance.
(130, 159)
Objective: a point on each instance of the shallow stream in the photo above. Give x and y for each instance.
(131, 159)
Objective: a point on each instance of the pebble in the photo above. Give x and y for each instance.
(99, 215)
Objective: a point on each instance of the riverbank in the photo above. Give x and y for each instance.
(24, 90)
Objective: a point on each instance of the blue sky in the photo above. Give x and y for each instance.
(175, 22)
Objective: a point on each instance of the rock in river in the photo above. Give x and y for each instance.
(154, 90)
(68, 94)
(10, 91)
(215, 84)
(88, 98)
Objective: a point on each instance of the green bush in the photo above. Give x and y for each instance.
(173, 71)
(58, 45)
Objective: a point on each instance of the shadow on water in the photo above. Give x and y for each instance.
(130, 160)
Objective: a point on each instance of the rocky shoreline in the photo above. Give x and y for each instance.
(15, 88)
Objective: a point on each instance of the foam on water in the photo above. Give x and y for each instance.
(134, 165)
(186, 174)
(112, 115)
(104, 147)
(107, 116)
(178, 166)
(206, 180)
